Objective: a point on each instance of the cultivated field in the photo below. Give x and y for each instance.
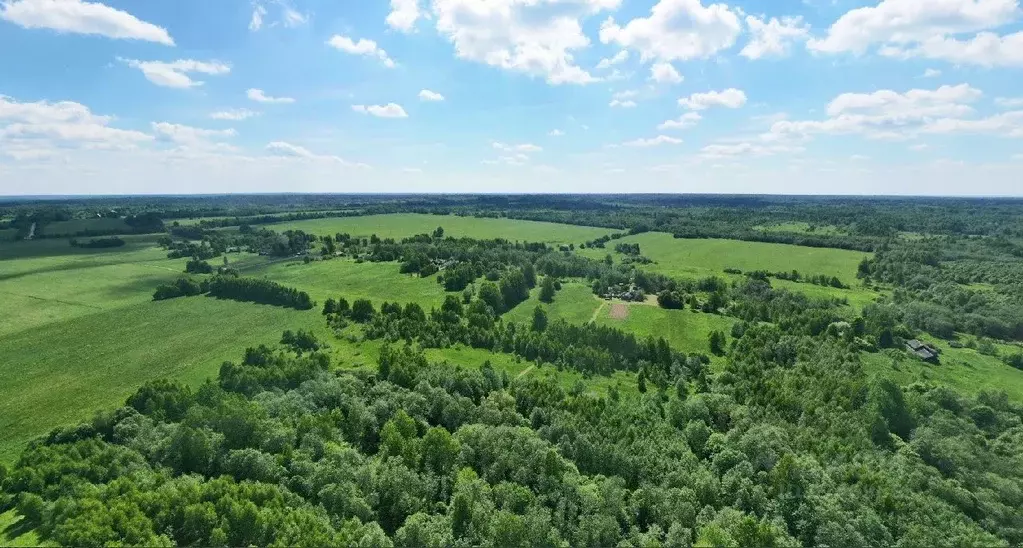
(408, 224)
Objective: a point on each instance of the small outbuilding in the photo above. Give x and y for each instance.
(923, 350)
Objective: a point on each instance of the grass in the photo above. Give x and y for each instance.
(14, 533)
(65, 371)
(961, 368)
(377, 282)
(704, 257)
(74, 226)
(698, 258)
(685, 330)
(407, 224)
(575, 303)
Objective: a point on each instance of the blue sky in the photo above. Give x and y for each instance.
(787, 96)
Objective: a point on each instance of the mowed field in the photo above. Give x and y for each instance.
(710, 257)
(686, 330)
(400, 225)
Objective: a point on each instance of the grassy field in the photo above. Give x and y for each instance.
(686, 330)
(408, 224)
(74, 226)
(64, 371)
(706, 257)
(377, 282)
(961, 368)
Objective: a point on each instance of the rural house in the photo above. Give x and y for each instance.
(923, 351)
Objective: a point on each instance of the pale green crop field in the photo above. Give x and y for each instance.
(706, 257)
(400, 225)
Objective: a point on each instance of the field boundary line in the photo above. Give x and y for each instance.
(596, 312)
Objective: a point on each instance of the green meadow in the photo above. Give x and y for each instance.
(961, 368)
(400, 225)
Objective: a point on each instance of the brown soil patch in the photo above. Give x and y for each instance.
(619, 311)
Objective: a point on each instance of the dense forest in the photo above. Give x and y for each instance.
(786, 440)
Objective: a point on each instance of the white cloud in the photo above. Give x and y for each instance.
(773, 38)
(932, 73)
(1010, 102)
(364, 47)
(985, 49)
(79, 17)
(555, 133)
(37, 130)
(664, 73)
(259, 96)
(687, 120)
(285, 149)
(619, 58)
(404, 14)
(234, 114)
(192, 137)
(176, 74)
(729, 98)
(1006, 124)
(256, 22)
(390, 110)
(427, 95)
(676, 30)
(915, 103)
(911, 28)
(521, 148)
(627, 103)
(912, 21)
(289, 16)
(718, 151)
(659, 140)
(528, 36)
(887, 114)
(293, 18)
(920, 147)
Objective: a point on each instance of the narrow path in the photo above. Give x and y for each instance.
(31, 232)
(524, 372)
(47, 299)
(596, 312)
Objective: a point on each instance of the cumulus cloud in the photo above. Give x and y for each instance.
(664, 73)
(404, 14)
(259, 96)
(620, 103)
(655, 141)
(176, 74)
(235, 114)
(37, 129)
(729, 98)
(773, 38)
(932, 73)
(363, 47)
(718, 151)
(891, 115)
(535, 38)
(1010, 102)
(390, 110)
(687, 120)
(256, 21)
(676, 30)
(521, 148)
(555, 133)
(427, 95)
(911, 28)
(79, 17)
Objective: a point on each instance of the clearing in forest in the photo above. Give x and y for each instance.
(400, 225)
